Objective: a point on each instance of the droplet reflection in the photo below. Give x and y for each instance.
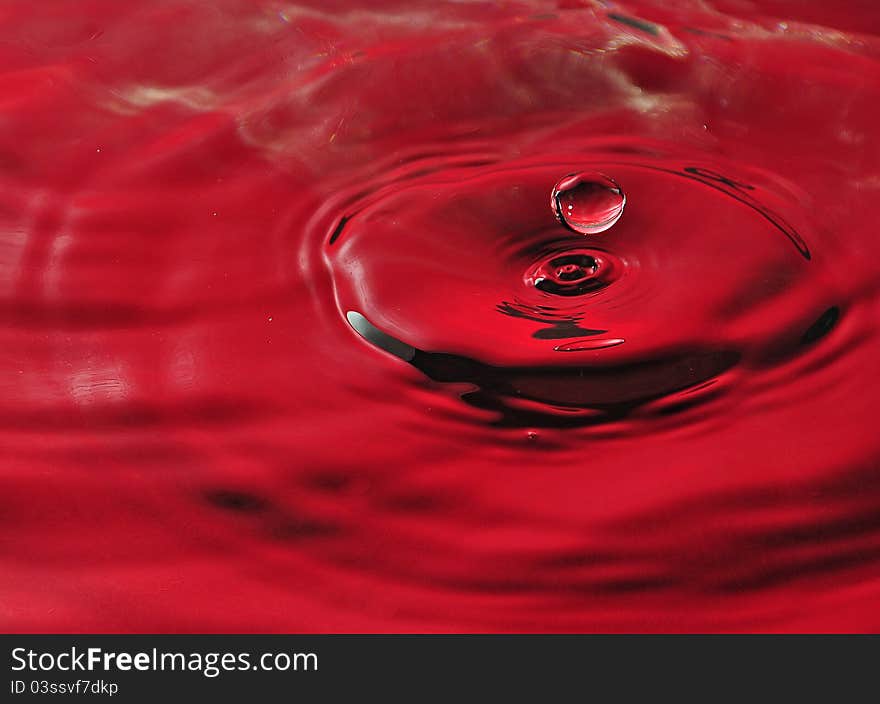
(588, 202)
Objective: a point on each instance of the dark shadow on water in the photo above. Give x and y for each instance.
(557, 396)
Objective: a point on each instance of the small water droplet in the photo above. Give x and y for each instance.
(531, 435)
(587, 202)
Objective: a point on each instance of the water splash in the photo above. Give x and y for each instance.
(273, 283)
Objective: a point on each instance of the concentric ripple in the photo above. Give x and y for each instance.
(475, 275)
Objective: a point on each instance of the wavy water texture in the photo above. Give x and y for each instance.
(279, 351)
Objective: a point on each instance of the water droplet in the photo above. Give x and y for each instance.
(588, 202)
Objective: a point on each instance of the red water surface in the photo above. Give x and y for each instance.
(275, 358)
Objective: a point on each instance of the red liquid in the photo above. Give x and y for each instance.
(275, 356)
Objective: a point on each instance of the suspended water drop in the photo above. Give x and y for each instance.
(587, 202)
